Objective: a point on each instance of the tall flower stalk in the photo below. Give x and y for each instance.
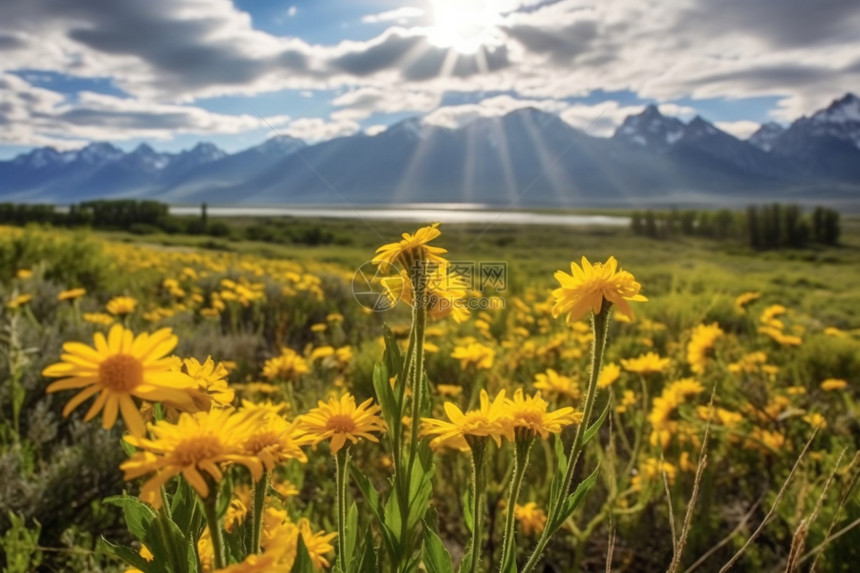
(594, 288)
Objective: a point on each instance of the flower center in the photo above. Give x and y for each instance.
(260, 441)
(191, 451)
(341, 423)
(121, 373)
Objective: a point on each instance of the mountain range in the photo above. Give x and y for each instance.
(526, 158)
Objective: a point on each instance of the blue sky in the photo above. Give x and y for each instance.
(172, 73)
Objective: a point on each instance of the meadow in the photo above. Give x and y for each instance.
(187, 403)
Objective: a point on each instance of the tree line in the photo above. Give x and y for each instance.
(762, 227)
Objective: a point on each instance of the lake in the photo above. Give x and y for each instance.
(452, 214)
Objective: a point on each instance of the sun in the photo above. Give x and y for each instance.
(465, 25)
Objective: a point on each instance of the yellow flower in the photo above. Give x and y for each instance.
(608, 374)
(746, 298)
(287, 366)
(663, 406)
(121, 305)
(702, 341)
(120, 367)
(651, 470)
(529, 413)
(317, 544)
(778, 336)
(815, 420)
(272, 439)
(72, 294)
(211, 381)
(98, 318)
(449, 389)
(443, 293)
(24, 274)
(196, 443)
(19, 301)
(491, 419)
(833, 384)
(554, 383)
(588, 287)
(768, 316)
(240, 504)
(411, 249)
(530, 517)
(627, 399)
(342, 420)
(474, 353)
(279, 554)
(646, 363)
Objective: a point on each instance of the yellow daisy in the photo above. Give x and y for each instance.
(588, 287)
(211, 383)
(646, 363)
(196, 443)
(529, 414)
(342, 420)
(120, 367)
(530, 517)
(491, 419)
(411, 249)
(121, 305)
(72, 294)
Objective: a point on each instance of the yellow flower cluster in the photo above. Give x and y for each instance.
(497, 419)
(701, 343)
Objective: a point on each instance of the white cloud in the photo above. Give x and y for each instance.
(314, 129)
(375, 129)
(740, 129)
(400, 15)
(458, 115)
(37, 116)
(362, 102)
(175, 52)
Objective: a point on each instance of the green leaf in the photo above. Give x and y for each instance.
(303, 563)
(128, 555)
(385, 395)
(139, 517)
(351, 531)
(560, 469)
(589, 433)
(392, 357)
(366, 561)
(573, 500)
(372, 498)
(436, 557)
(183, 508)
(466, 500)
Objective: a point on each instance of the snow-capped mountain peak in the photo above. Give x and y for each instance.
(98, 153)
(765, 135)
(841, 120)
(844, 109)
(146, 157)
(651, 129)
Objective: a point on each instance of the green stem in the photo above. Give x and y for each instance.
(340, 481)
(415, 380)
(478, 448)
(209, 508)
(260, 489)
(600, 327)
(521, 460)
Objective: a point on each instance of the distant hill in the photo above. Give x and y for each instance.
(527, 158)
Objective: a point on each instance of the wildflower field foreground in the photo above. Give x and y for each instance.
(427, 398)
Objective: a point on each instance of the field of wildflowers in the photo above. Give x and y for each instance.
(170, 408)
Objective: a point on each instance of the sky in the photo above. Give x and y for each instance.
(172, 73)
